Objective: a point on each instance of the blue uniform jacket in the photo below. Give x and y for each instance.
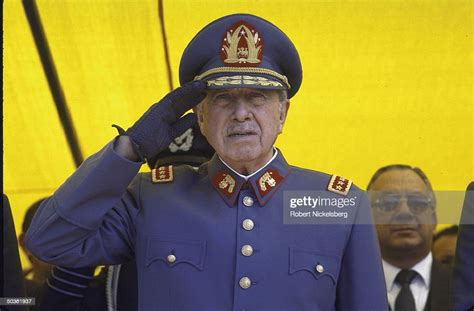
(209, 240)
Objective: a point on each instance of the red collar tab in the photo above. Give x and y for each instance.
(268, 181)
(224, 183)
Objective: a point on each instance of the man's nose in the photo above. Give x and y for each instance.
(242, 110)
(403, 207)
(403, 214)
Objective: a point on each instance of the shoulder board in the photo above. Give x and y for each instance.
(162, 174)
(339, 185)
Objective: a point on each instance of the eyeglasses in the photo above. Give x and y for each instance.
(388, 202)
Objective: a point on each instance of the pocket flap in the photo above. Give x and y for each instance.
(314, 263)
(184, 251)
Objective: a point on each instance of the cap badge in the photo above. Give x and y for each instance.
(339, 185)
(183, 142)
(162, 174)
(268, 181)
(242, 46)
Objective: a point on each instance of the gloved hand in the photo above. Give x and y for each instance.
(155, 130)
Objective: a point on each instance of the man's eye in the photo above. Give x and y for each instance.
(256, 95)
(221, 97)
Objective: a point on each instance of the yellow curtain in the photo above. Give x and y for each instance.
(384, 82)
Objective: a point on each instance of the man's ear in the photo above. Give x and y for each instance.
(283, 114)
(198, 111)
(435, 219)
(200, 117)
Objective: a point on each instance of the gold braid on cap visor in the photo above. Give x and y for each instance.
(241, 79)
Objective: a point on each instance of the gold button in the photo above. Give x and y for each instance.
(248, 201)
(248, 224)
(171, 258)
(319, 269)
(245, 282)
(247, 250)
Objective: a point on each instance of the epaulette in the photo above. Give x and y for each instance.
(339, 185)
(162, 174)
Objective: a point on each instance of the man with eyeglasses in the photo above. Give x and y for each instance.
(404, 210)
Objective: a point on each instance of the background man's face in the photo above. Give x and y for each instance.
(444, 249)
(242, 124)
(406, 224)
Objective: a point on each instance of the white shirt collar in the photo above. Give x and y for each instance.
(246, 177)
(423, 267)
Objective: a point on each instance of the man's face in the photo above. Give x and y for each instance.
(242, 124)
(403, 210)
(444, 249)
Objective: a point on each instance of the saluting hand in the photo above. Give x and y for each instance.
(155, 130)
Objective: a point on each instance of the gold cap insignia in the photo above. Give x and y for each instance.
(162, 174)
(225, 183)
(242, 46)
(339, 185)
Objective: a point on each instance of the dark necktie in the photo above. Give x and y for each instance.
(405, 300)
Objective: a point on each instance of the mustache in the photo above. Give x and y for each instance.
(247, 129)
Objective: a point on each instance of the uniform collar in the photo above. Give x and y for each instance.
(264, 182)
(275, 153)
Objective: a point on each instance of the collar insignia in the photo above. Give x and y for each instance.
(242, 46)
(339, 185)
(225, 183)
(162, 174)
(268, 181)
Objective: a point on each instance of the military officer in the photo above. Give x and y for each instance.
(215, 239)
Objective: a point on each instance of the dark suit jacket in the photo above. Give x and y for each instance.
(439, 297)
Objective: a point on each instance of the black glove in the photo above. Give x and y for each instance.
(155, 130)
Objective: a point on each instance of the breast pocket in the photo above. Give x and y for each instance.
(320, 267)
(176, 252)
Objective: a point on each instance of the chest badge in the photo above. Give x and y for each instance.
(339, 185)
(162, 174)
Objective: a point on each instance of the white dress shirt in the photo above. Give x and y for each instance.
(420, 286)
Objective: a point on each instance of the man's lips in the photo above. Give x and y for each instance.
(237, 134)
(404, 229)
